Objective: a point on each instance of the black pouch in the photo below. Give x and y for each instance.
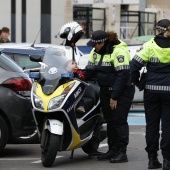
(142, 79)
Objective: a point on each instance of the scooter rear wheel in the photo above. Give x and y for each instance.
(49, 148)
(91, 148)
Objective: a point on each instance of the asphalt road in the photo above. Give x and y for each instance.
(27, 156)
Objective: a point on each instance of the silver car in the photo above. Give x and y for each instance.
(16, 118)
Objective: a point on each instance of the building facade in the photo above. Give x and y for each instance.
(35, 19)
(39, 20)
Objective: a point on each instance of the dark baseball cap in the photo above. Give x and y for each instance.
(163, 24)
(97, 37)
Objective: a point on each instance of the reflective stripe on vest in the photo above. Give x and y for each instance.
(156, 87)
(154, 60)
(139, 59)
(123, 67)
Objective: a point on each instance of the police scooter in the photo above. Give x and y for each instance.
(55, 96)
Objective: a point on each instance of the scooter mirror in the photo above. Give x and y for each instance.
(36, 58)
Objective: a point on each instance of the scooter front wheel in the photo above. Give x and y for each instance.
(49, 146)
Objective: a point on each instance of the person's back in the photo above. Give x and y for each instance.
(155, 56)
(4, 35)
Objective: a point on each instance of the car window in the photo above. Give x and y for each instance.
(8, 64)
(24, 62)
(10, 55)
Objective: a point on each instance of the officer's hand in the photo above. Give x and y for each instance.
(113, 104)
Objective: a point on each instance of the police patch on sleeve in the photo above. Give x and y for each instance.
(94, 56)
(120, 58)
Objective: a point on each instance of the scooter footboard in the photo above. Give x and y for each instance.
(54, 126)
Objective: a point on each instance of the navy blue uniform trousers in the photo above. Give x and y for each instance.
(116, 119)
(157, 112)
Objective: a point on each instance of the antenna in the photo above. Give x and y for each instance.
(36, 38)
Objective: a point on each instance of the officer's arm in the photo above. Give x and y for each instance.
(121, 63)
(135, 68)
(120, 83)
(138, 61)
(90, 71)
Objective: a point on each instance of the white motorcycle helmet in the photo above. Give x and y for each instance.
(71, 31)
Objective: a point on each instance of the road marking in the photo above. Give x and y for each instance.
(24, 159)
(136, 115)
(18, 159)
(39, 161)
(137, 133)
(136, 120)
(36, 162)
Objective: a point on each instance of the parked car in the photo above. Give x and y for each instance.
(16, 120)
(21, 57)
(20, 53)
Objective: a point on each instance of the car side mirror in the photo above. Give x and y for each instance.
(36, 58)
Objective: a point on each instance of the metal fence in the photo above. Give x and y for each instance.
(137, 23)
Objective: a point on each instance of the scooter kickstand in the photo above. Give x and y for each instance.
(72, 153)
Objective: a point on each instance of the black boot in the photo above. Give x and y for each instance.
(106, 156)
(166, 164)
(110, 140)
(154, 163)
(119, 158)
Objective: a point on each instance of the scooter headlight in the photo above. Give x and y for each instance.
(56, 102)
(38, 102)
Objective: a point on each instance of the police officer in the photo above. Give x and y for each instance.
(155, 54)
(110, 57)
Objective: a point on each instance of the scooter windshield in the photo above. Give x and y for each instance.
(54, 64)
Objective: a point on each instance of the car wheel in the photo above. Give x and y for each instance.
(4, 133)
